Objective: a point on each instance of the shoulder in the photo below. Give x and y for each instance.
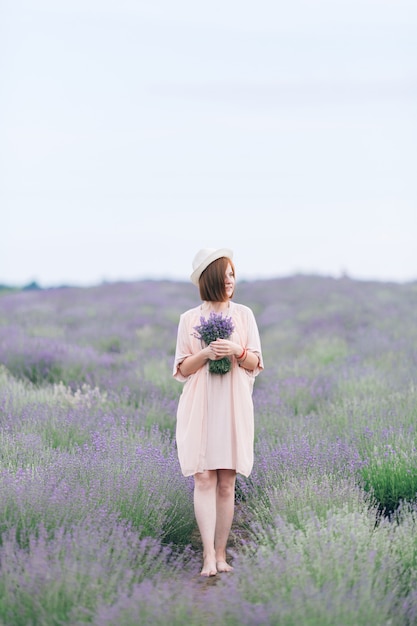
(194, 311)
(243, 313)
(242, 309)
(190, 313)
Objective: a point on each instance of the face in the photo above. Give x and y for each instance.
(229, 281)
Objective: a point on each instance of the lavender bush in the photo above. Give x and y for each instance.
(96, 520)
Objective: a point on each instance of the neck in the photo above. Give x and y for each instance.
(218, 307)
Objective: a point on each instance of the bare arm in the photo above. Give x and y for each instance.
(250, 362)
(193, 362)
(217, 350)
(225, 347)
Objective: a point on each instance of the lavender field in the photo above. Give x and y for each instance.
(96, 520)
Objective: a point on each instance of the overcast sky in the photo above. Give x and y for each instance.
(133, 133)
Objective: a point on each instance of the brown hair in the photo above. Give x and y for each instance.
(211, 282)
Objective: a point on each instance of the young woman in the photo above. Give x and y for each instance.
(215, 418)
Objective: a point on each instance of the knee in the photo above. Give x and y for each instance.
(204, 481)
(226, 488)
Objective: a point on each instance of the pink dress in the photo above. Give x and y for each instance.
(215, 420)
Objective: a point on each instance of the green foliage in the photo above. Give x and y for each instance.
(326, 350)
(44, 371)
(64, 438)
(111, 344)
(163, 512)
(335, 570)
(220, 366)
(391, 479)
(295, 501)
(157, 416)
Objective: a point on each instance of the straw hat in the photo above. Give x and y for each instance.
(204, 257)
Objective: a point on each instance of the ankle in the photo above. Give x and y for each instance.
(220, 555)
(209, 555)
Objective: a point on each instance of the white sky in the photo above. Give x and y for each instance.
(133, 133)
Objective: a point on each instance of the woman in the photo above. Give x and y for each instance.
(215, 422)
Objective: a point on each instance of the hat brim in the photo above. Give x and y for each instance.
(217, 254)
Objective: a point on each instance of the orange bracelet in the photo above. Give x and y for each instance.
(242, 355)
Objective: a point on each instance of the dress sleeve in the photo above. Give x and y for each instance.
(254, 341)
(183, 347)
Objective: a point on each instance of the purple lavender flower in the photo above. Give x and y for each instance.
(216, 327)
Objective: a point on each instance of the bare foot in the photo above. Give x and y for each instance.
(222, 566)
(209, 567)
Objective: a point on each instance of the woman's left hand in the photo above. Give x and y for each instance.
(225, 347)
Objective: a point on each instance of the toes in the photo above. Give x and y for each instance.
(209, 568)
(208, 572)
(222, 566)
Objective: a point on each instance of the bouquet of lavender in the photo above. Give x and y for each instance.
(215, 327)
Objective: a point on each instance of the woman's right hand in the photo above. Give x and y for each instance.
(194, 362)
(209, 353)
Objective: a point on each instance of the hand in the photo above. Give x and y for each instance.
(210, 353)
(224, 347)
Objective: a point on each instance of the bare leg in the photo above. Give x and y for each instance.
(205, 485)
(225, 506)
